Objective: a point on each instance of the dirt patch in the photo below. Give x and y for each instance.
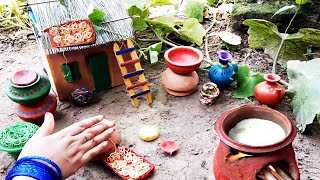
(182, 119)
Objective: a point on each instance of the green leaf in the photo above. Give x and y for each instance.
(212, 2)
(300, 2)
(246, 81)
(192, 31)
(156, 47)
(285, 9)
(264, 34)
(194, 9)
(138, 18)
(153, 56)
(97, 28)
(164, 25)
(96, 16)
(138, 3)
(304, 91)
(62, 2)
(160, 2)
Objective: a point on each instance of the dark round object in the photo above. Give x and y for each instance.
(82, 97)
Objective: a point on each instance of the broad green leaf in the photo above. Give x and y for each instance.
(164, 25)
(96, 16)
(264, 34)
(62, 2)
(139, 24)
(300, 2)
(246, 81)
(138, 18)
(212, 2)
(285, 9)
(304, 91)
(192, 31)
(153, 56)
(160, 2)
(156, 47)
(194, 9)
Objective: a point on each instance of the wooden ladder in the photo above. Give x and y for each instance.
(127, 75)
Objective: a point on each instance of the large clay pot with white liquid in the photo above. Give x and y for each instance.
(258, 157)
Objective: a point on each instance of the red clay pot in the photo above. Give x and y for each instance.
(183, 59)
(261, 156)
(35, 113)
(269, 92)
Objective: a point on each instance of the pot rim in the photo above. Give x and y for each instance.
(200, 59)
(290, 135)
(271, 77)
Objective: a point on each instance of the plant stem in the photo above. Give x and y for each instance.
(275, 62)
(9, 18)
(161, 39)
(284, 82)
(207, 58)
(149, 40)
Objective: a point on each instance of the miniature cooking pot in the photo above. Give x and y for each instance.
(255, 157)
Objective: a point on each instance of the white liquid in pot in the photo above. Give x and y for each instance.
(257, 132)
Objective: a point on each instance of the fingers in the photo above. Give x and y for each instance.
(95, 130)
(104, 136)
(79, 127)
(47, 126)
(101, 148)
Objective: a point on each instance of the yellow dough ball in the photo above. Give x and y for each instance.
(148, 133)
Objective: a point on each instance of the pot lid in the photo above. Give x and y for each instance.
(15, 136)
(24, 77)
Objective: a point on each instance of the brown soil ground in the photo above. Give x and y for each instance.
(182, 119)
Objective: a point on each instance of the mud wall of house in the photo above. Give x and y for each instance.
(64, 88)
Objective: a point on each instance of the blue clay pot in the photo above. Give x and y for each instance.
(222, 73)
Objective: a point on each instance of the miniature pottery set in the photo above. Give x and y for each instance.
(15, 136)
(181, 79)
(234, 160)
(222, 73)
(31, 93)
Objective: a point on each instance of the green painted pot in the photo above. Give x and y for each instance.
(29, 95)
(15, 136)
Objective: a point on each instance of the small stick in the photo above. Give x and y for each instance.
(283, 174)
(261, 176)
(274, 172)
(268, 175)
(234, 157)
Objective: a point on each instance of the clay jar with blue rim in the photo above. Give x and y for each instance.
(222, 73)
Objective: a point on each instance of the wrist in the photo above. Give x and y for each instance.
(35, 167)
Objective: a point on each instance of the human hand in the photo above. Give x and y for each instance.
(72, 147)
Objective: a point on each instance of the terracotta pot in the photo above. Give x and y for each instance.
(222, 73)
(29, 95)
(269, 92)
(260, 156)
(35, 113)
(179, 85)
(183, 59)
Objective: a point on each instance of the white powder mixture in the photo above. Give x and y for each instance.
(256, 132)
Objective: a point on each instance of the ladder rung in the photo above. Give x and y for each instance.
(133, 61)
(122, 51)
(137, 85)
(133, 74)
(140, 94)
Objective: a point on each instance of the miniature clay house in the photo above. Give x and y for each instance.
(92, 66)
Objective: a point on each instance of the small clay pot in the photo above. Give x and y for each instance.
(183, 59)
(269, 92)
(29, 95)
(179, 85)
(35, 113)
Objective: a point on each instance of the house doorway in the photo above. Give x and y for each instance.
(99, 67)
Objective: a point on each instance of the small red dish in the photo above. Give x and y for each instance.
(73, 33)
(122, 158)
(24, 77)
(183, 59)
(169, 146)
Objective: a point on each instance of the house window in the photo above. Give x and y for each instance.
(71, 71)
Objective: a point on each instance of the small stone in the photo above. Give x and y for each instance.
(25, 37)
(32, 37)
